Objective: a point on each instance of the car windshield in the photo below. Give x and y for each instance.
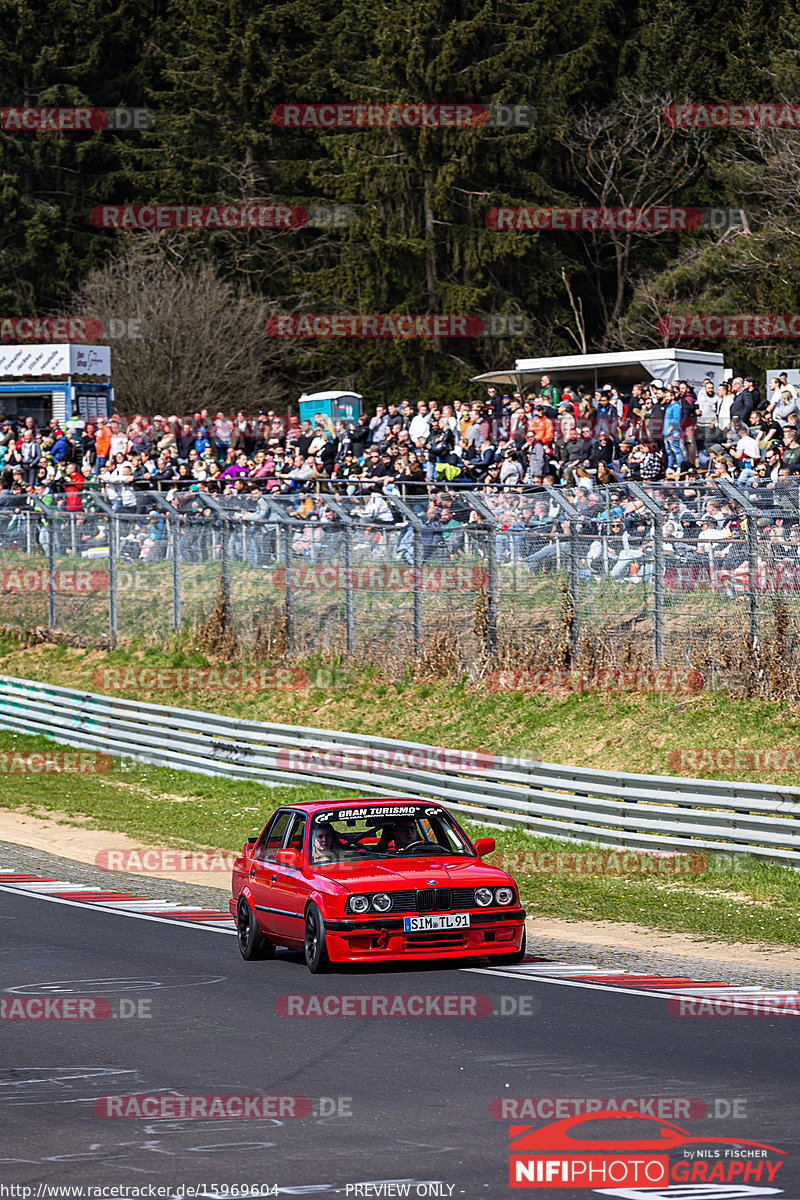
(384, 831)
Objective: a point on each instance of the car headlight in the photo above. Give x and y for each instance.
(382, 902)
(359, 904)
(504, 895)
(484, 896)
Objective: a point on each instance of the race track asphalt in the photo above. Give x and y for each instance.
(409, 1097)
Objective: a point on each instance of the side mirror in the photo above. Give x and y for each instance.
(484, 846)
(288, 858)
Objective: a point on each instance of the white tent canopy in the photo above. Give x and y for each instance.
(593, 370)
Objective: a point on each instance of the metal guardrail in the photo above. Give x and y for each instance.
(607, 807)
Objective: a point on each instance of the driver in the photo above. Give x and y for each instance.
(405, 832)
(324, 849)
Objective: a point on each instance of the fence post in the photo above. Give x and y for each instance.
(658, 587)
(51, 572)
(752, 580)
(416, 536)
(286, 538)
(752, 512)
(574, 588)
(349, 609)
(657, 513)
(173, 525)
(73, 533)
(483, 511)
(225, 536)
(28, 533)
(574, 517)
(111, 521)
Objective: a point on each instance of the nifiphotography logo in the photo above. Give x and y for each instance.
(612, 1149)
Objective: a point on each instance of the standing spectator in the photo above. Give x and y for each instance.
(707, 406)
(30, 453)
(671, 432)
(550, 392)
(420, 426)
(222, 432)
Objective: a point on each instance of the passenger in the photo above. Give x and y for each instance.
(324, 849)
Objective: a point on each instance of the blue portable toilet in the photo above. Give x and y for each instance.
(337, 406)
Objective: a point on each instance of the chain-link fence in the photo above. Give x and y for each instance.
(662, 572)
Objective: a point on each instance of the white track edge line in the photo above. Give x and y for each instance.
(109, 908)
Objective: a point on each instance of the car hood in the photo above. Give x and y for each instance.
(413, 873)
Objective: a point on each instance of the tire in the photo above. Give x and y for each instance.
(252, 943)
(510, 960)
(316, 952)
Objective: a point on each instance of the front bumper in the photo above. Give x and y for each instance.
(372, 938)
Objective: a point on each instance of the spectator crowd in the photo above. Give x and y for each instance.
(558, 436)
(591, 443)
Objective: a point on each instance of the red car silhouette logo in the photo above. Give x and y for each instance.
(556, 1138)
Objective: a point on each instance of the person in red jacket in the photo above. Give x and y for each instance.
(73, 486)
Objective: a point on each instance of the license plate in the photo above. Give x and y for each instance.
(446, 921)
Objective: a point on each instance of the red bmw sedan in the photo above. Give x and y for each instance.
(373, 880)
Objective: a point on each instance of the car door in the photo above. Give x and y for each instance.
(262, 869)
(290, 886)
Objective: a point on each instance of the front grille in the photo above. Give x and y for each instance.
(463, 897)
(403, 902)
(434, 899)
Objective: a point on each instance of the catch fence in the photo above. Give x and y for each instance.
(663, 571)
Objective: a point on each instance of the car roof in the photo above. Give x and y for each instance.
(311, 806)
